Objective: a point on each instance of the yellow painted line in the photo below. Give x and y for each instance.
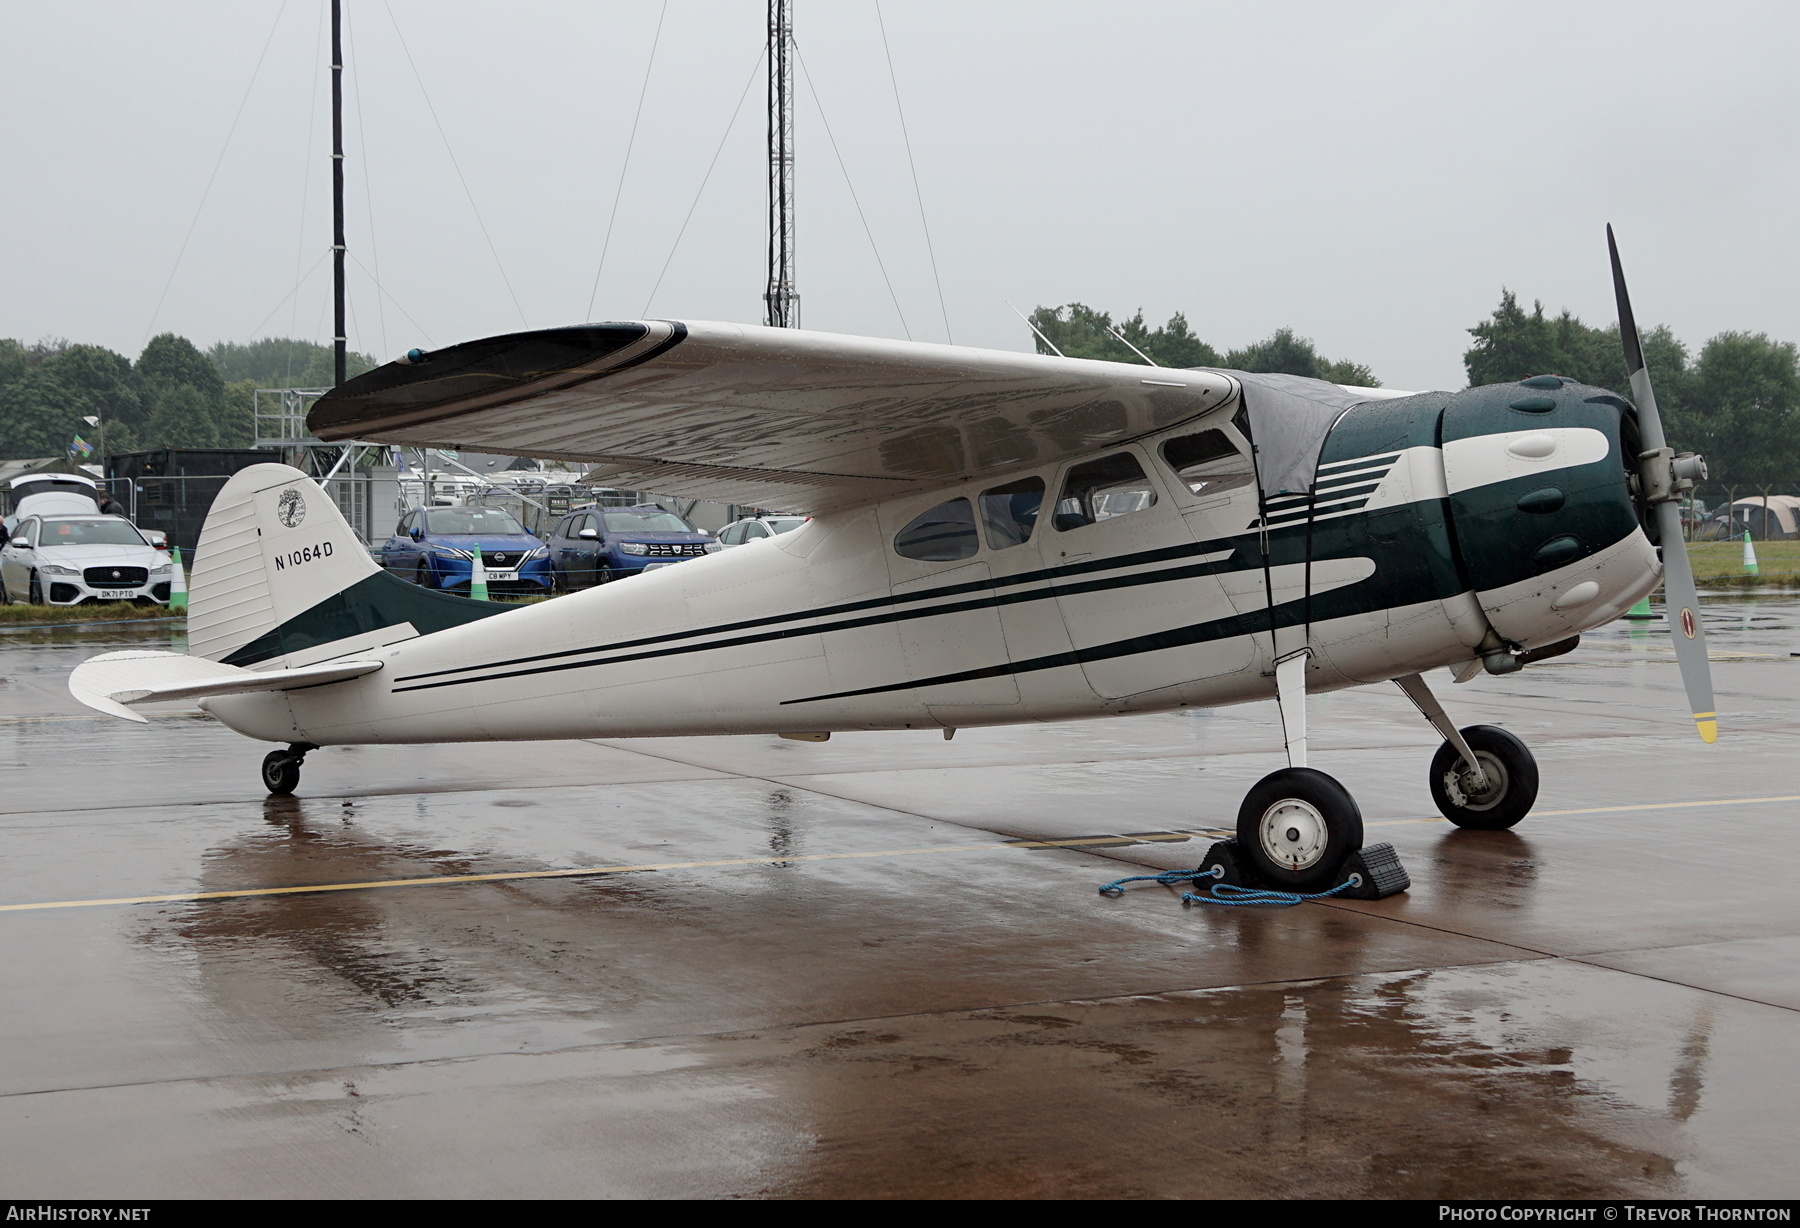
(1546, 814)
(508, 876)
(579, 872)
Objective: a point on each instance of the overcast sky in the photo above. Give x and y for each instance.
(1369, 174)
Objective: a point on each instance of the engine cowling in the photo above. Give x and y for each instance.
(1547, 523)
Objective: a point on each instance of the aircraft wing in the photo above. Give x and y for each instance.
(767, 417)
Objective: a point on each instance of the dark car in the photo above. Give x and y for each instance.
(598, 544)
(435, 547)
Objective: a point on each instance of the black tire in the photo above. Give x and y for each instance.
(1512, 779)
(1296, 827)
(280, 772)
(35, 594)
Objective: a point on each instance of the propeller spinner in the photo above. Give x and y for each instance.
(1663, 476)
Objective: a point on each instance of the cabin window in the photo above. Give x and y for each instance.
(1010, 512)
(1208, 462)
(942, 535)
(1103, 489)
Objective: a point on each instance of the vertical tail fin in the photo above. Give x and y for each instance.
(279, 577)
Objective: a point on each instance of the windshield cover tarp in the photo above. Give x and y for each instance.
(1290, 415)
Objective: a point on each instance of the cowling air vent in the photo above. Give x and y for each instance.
(1542, 502)
(1557, 551)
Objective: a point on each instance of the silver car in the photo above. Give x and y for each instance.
(757, 528)
(66, 560)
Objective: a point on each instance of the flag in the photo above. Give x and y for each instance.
(81, 446)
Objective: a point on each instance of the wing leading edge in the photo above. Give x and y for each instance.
(770, 417)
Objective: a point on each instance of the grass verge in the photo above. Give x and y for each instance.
(21, 614)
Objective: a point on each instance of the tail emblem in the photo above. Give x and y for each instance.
(290, 509)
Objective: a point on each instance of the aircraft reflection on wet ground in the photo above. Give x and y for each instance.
(891, 975)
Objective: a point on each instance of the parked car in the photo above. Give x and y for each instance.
(757, 528)
(68, 560)
(435, 547)
(594, 545)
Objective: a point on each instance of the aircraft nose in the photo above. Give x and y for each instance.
(1548, 525)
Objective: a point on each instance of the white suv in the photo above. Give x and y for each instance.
(66, 560)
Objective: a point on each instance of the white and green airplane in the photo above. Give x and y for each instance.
(995, 538)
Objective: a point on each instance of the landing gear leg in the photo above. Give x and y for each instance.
(281, 768)
(1482, 777)
(1298, 825)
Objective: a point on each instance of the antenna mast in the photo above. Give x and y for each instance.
(339, 338)
(782, 302)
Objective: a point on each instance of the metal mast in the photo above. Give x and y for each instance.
(781, 301)
(340, 337)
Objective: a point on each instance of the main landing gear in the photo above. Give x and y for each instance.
(1482, 777)
(1298, 827)
(281, 768)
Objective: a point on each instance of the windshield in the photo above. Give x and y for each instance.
(787, 526)
(654, 521)
(471, 520)
(109, 532)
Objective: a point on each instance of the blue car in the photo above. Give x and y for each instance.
(598, 544)
(435, 547)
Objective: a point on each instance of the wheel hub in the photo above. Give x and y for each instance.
(1467, 793)
(1293, 834)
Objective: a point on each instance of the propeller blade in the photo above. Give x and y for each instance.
(1681, 600)
(1649, 420)
(1682, 605)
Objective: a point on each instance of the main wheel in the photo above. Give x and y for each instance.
(1296, 827)
(280, 772)
(1511, 784)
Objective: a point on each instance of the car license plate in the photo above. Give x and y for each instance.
(503, 575)
(117, 594)
(654, 566)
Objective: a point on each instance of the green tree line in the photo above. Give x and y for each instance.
(173, 396)
(1737, 402)
(1081, 332)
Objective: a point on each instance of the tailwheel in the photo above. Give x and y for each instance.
(1504, 794)
(1297, 826)
(281, 772)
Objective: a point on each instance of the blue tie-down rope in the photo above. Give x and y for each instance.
(1226, 893)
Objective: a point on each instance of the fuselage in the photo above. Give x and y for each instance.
(1142, 579)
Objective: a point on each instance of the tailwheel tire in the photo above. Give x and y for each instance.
(280, 772)
(1511, 780)
(1297, 826)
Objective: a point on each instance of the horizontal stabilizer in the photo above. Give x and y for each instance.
(112, 680)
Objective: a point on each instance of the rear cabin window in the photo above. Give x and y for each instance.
(942, 535)
(1102, 490)
(1207, 462)
(1010, 512)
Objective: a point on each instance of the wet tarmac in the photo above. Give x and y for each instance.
(844, 981)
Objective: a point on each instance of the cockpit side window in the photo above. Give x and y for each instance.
(1207, 462)
(1102, 489)
(1010, 512)
(943, 534)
